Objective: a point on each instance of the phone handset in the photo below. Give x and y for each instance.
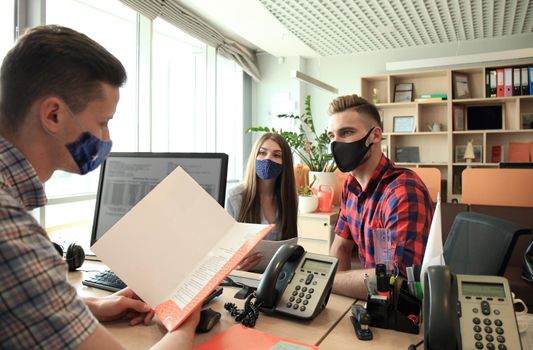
(276, 276)
(440, 309)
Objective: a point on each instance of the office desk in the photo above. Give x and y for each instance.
(142, 337)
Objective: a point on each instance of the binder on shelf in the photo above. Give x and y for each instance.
(508, 81)
(519, 152)
(525, 82)
(492, 74)
(487, 83)
(497, 154)
(517, 81)
(499, 82)
(530, 75)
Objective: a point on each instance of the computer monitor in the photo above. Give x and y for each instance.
(125, 178)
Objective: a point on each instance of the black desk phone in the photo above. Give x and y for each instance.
(296, 283)
(468, 312)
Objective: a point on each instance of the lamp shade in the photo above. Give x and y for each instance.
(469, 151)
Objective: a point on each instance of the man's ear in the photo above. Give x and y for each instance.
(376, 135)
(49, 114)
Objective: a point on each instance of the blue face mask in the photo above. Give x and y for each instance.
(88, 151)
(267, 169)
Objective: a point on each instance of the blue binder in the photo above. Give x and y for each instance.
(530, 69)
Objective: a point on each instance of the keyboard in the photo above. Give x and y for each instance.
(106, 280)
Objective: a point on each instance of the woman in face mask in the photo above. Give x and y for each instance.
(268, 194)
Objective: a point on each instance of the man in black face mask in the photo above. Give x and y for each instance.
(376, 196)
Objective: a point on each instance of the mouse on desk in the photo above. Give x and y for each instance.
(208, 319)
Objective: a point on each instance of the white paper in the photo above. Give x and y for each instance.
(268, 249)
(175, 237)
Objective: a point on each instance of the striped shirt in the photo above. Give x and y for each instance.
(395, 199)
(39, 309)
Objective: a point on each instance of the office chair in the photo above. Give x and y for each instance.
(479, 244)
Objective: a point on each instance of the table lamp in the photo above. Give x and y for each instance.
(469, 153)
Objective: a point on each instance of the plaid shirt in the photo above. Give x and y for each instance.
(38, 307)
(395, 199)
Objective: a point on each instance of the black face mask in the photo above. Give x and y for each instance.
(348, 155)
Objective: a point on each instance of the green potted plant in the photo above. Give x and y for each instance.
(311, 147)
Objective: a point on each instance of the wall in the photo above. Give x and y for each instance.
(344, 72)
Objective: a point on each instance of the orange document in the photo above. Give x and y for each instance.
(519, 152)
(175, 246)
(239, 337)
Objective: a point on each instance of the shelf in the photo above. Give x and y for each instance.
(422, 164)
(477, 165)
(492, 132)
(490, 100)
(416, 133)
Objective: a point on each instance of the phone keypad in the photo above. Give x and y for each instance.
(488, 332)
(301, 294)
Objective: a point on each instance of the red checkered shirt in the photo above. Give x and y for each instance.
(39, 309)
(395, 199)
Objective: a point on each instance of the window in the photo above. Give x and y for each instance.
(178, 90)
(229, 115)
(7, 26)
(65, 217)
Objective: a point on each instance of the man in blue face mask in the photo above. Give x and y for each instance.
(376, 195)
(58, 91)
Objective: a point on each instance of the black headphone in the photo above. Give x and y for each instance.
(75, 255)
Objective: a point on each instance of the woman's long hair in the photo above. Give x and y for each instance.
(285, 195)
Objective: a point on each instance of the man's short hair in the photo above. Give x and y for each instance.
(355, 103)
(54, 61)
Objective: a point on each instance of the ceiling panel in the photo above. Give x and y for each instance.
(338, 27)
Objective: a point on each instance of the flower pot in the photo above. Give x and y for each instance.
(307, 204)
(322, 178)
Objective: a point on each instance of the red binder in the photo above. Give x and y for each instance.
(508, 81)
(499, 82)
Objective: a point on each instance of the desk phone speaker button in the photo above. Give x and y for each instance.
(488, 330)
(502, 347)
(302, 308)
(306, 302)
(498, 322)
(304, 289)
(487, 322)
(500, 339)
(477, 328)
(478, 336)
(489, 337)
(479, 345)
(476, 320)
(499, 330)
(490, 346)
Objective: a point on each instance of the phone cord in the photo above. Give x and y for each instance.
(247, 316)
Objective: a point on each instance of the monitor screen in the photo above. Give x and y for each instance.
(125, 178)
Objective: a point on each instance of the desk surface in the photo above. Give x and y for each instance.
(142, 337)
(331, 329)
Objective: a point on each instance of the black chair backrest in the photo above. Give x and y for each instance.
(479, 244)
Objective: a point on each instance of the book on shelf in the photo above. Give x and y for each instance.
(530, 75)
(238, 337)
(429, 99)
(508, 81)
(441, 96)
(172, 262)
(519, 151)
(497, 154)
(492, 83)
(499, 82)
